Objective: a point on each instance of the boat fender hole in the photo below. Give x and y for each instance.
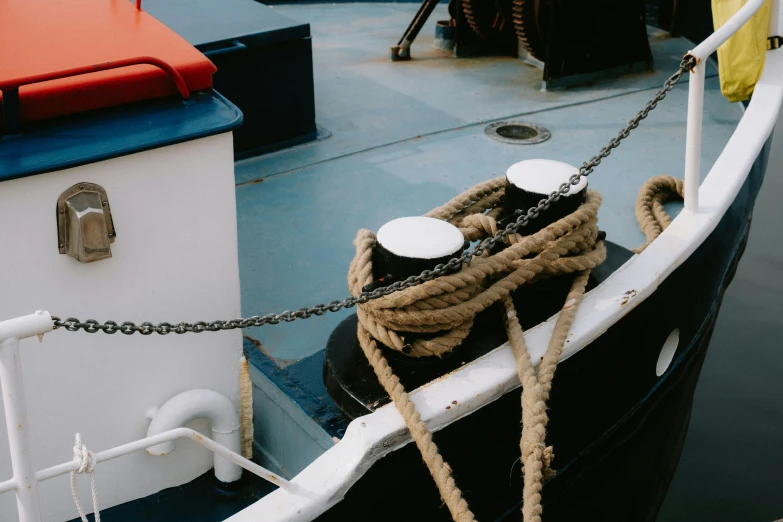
(667, 352)
(516, 132)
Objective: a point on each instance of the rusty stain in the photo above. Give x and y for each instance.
(251, 182)
(198, 436)
(448, 407)
(280, 363)
(453, 402)
(19, 426)
(627, 296)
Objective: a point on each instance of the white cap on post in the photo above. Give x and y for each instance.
(542, 176)
(530, 181)
(420, 237)
(407, 246)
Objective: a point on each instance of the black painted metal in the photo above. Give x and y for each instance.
(352, 382)
(585, 38)
(410, 34)
(616, 427)
(518, 198)
(10, 123)
(494, 18)
(264, 62)
(393, 267)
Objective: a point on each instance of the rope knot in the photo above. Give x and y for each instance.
(83, 457)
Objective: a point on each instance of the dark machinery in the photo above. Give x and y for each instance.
(573, 41)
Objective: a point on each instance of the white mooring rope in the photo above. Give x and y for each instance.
(86, 461)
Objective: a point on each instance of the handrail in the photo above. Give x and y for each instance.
(25, 479)
(696, 99)
(10, 88)
(166, 436)
(182, 87)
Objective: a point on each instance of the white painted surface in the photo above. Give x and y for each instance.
(223, 420)
(420, 237)
(484, 380)
(693, 137)
(542, 176)
(174, 259)
(667, 352)
(18, 431)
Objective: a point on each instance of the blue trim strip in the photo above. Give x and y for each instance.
(118, 131)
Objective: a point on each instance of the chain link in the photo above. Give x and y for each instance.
(73, 324)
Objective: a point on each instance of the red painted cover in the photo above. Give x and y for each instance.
(40, 37)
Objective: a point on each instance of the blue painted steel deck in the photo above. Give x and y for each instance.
(408, 136)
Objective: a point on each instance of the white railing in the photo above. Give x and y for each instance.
(25, 479)
(696, 98)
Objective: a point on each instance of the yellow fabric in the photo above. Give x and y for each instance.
(741, 58)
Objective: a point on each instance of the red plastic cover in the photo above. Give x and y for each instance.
(42, 38)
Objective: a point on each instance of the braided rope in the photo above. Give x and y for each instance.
(650, 214)
(448, 304)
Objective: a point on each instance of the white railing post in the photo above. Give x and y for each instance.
(693, 136)
(25, 482)
(702, 52)
(16, 424)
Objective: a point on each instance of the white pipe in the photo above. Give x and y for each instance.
(16, 424)
(702, 51)
(201, 404)
(774, 18)
(26, 326)
(178, 433)
(693, 137)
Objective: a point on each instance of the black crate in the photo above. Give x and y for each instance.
(264, 61)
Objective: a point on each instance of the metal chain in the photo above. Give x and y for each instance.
(522, 219)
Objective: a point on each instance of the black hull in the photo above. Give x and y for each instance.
(616, 427)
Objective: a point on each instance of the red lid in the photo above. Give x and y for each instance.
(50, 50)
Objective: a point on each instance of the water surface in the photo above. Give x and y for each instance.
(731, 466)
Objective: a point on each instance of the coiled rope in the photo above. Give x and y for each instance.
(446, 306)
(650, 214)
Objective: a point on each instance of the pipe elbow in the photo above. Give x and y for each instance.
(191, 405)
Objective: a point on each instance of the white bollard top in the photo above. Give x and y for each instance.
(420, 237)
(541, 176)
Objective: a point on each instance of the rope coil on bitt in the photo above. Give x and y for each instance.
(446, 306)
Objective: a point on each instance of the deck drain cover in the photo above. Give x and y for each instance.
(516, 132)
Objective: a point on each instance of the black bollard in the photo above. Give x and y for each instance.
(408, 246)
(530, 181)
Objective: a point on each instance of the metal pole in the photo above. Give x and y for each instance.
(693, 137)
(16, 424)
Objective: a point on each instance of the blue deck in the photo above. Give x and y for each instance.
(399, 139)
(405, 137)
